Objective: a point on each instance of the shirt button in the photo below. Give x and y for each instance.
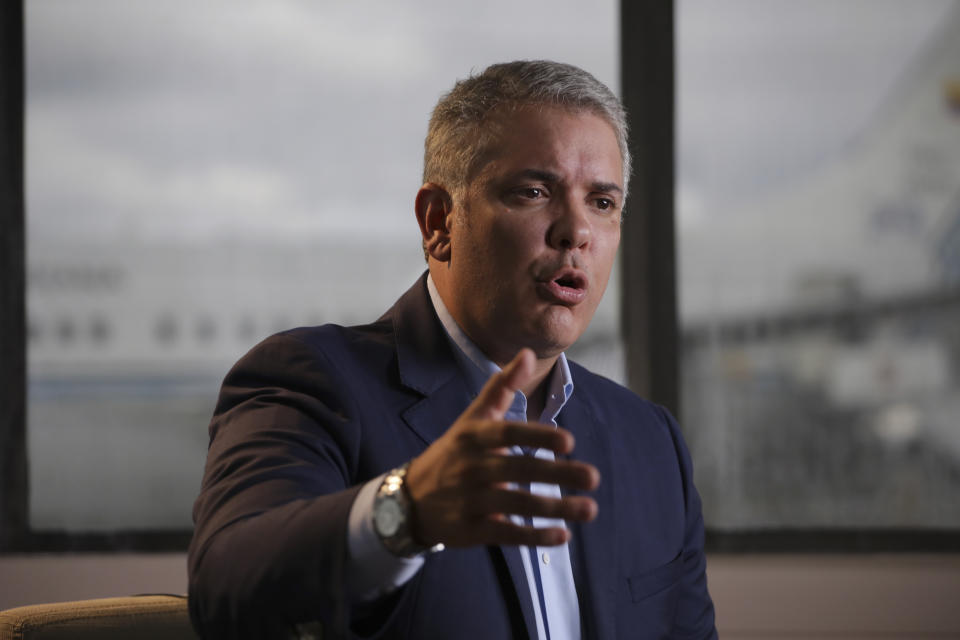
(546, 558)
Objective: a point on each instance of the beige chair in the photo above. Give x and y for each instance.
(151, 617)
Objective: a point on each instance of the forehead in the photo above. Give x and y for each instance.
(552, 138)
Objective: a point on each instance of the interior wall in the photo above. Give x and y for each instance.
(836, 596)
(37, 578)
(757, 596)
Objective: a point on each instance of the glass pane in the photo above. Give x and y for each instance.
(819, 226)
(201, 175)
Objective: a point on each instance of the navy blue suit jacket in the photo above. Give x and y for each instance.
(308, 415)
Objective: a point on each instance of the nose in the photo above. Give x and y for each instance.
(571, 228)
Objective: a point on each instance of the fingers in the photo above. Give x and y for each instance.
(506, 532)
(460, 484)
(523, 503)
(499, 469)
(493, 434)
(497, 395)
(489, 462)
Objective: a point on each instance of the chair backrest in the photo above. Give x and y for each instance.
(151, 617)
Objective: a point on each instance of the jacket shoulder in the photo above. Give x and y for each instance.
(333, 337)
(331, 342)
(609, 398)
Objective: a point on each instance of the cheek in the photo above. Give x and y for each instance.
(516, 243)
(607, 246)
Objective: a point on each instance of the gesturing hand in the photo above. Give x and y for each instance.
(459, 484)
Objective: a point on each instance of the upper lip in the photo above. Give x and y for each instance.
(568, 277)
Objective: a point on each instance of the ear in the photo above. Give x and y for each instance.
(434, 205)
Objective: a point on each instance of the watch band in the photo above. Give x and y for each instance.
(393, 516)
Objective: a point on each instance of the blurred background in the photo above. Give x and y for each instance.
(201, 175)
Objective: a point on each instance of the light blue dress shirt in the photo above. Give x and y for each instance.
(373, 571)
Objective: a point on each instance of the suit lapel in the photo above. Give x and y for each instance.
(593, 544)
(518, 576)
(427, 365)
(425, 360)
(433, 415)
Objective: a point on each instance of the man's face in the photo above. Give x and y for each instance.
(534, 236)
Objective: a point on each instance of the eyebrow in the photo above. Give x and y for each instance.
(549, 176)
(606, 187)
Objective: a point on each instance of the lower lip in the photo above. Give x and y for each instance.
(555, 292)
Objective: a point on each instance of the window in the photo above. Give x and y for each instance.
(818, 208)
(200, 176)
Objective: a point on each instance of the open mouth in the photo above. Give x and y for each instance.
(570, 278)
(567, 287)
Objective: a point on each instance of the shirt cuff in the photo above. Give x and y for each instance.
(372, 571)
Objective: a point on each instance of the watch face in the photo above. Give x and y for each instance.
(387, 517)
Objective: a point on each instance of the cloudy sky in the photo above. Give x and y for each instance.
(769, 89)
(186, 119)
(293, 119)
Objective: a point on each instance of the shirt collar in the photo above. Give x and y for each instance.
(478, 367)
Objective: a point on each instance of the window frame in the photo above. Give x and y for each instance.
(649, 293)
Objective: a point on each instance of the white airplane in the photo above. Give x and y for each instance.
(128, 345)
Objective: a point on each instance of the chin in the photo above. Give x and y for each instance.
(570, 323)
(552, 341)
(545, 349)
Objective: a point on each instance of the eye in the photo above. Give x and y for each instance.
(605, 204)
(523, 196)
(531, 192)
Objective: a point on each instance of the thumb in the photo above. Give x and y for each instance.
(497, 395)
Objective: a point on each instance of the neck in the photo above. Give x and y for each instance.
(536, 389)
(536, 401)
(541, 372)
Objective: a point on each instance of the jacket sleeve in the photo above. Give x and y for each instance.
(271, 518)
(695, 614)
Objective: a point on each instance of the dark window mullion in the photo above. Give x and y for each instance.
(648, 255)
(13, 356)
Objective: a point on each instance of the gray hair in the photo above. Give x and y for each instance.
(459, 132)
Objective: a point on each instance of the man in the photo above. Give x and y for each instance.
(342, 460)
